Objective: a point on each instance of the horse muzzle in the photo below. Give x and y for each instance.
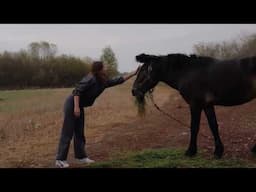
(135, 92)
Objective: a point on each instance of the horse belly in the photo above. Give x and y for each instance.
(231, 86)
(240, 95)
(233, 102)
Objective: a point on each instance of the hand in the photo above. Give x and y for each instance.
(77, 112)
(131, 74)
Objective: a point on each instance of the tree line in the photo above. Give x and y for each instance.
(38, 66)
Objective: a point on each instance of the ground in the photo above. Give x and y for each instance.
(31, 122)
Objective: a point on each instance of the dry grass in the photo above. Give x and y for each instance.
(31, 121)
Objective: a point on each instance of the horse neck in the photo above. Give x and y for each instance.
(173, 72)
(169, 77)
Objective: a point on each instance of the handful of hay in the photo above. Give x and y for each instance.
(140, 102)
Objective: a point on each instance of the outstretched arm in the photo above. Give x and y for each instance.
(128, 76)
(120, 79)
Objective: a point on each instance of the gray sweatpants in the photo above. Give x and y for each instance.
(72, 126)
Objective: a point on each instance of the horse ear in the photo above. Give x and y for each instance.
(144, 58)
(193, 56)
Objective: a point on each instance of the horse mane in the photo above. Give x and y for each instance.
(183, 62)
(178, 61)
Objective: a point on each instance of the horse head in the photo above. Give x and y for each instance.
(147, 77)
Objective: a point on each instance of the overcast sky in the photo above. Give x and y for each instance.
(127, 40)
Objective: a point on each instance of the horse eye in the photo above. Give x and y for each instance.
(149, 68)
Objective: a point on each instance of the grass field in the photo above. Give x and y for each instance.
(169, 158)
(31, 122)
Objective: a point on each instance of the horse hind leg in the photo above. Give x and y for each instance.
(253, 150)
(212, 121)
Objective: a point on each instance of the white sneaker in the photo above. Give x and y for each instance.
(85, 160)
(61, 164)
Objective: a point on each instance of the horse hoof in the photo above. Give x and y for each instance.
(218, 153)
(253, 150)
(217, 156)
(190, 153)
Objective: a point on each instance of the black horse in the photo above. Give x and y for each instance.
(203, 82)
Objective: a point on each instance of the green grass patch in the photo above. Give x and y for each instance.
(166, 158)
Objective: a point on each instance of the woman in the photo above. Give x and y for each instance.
(84, 95)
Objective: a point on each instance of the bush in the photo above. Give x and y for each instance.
(243, 47)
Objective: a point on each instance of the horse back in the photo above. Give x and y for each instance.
(226, 82)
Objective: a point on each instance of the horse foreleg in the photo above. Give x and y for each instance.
(195, 122)
(212, 121)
